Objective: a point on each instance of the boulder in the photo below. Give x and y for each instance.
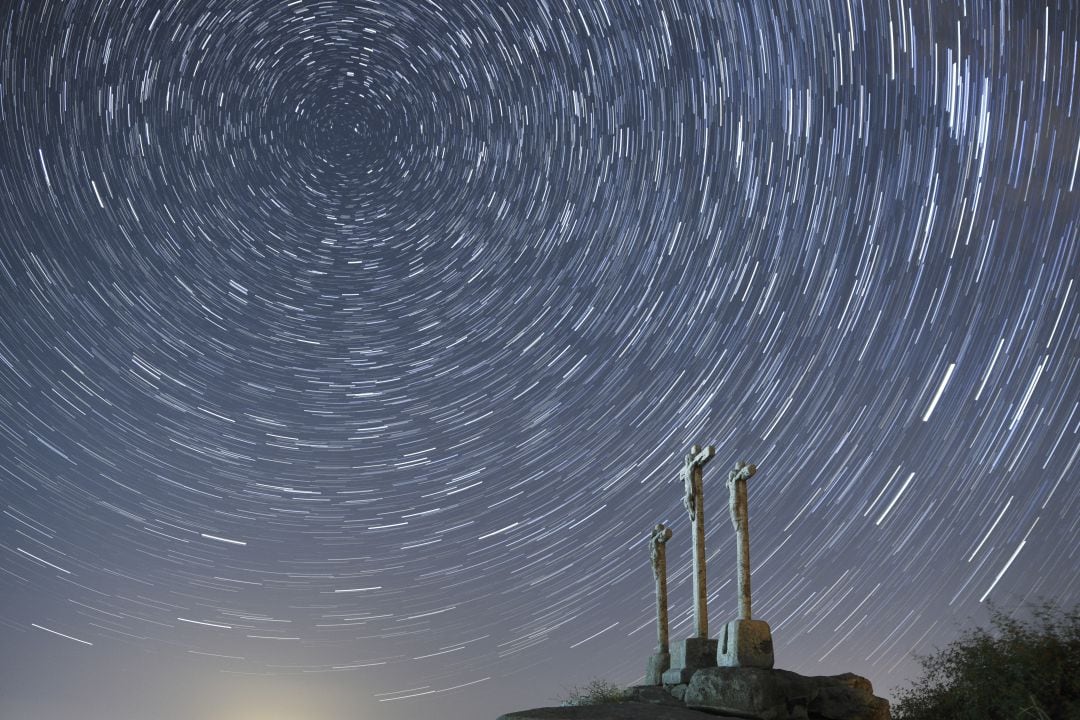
(844, 703)
(748, 691)
(783, 695)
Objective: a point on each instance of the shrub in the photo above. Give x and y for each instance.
(1022, 670)
(596, 692)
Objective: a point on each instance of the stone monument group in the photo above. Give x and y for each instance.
(731, 676)
(743, 642)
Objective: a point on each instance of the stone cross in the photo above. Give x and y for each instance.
(691, 475)
(736, 484)
(658, 553)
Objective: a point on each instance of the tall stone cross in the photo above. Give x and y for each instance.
(691, 475)
(744, 642)
(740, 519)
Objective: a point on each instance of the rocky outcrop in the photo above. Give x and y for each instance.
(735, 693)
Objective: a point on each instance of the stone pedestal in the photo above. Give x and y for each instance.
(658, 665)
(745, 643)
(687, 657)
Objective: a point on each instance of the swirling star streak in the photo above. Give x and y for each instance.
(349, 348)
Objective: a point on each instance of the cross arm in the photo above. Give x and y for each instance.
(742, 471)
(699, 455)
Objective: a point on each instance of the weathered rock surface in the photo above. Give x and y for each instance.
(784, 695)
(615, 711)
(652, 694)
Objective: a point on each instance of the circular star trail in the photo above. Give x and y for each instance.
(349, 349)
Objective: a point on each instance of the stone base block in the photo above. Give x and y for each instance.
(678, 676)
(687, 657)
(658, 664)
(745, 643)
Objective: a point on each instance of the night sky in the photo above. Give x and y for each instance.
(349, 349)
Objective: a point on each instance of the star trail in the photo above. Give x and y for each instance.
(349, 348)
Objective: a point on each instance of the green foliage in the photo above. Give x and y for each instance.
(596, 692)
(1021, 670)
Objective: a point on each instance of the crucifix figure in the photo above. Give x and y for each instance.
(691, 475)
(740, 519)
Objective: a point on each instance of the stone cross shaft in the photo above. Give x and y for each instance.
(740, 519)
(658, 553)
(691, 475)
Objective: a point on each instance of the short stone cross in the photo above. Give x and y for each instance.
(661, 659)
(658, 554)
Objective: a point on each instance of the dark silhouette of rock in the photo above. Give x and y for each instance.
(615, 711)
